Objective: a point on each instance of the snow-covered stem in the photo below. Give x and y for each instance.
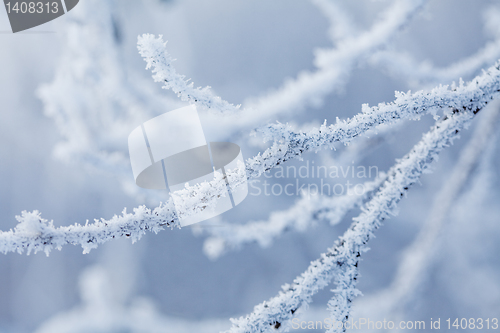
(467, 97)
(154, 52)
(418, 256)
(308, 210)
(340, 262)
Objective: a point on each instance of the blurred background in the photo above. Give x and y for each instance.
(71, 90)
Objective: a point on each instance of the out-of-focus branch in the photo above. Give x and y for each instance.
(392, 20)
(404, 66)
(102, 311)
(92, 99)
(341, 26)
(334, 64)
(299, 217)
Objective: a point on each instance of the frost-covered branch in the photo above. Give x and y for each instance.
(472, 96)
(305, 212)
(468, 97)
(154, 52)
(419, 255)
(340, 262)
(34, 234)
